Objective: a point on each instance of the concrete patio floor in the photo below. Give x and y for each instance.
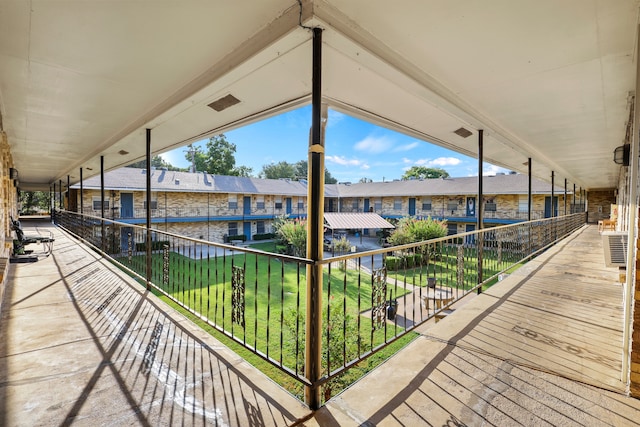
(82, 344)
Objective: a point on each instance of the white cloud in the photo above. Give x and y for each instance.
(365, 166)
(374, 145)
(407, 147)
(335, 117)
(492, 170)
(343, 161)
(439, 162)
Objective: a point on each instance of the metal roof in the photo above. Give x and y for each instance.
(354, 221)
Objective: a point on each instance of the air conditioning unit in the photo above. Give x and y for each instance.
(615, 248)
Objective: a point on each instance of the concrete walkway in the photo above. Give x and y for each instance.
(82, 344)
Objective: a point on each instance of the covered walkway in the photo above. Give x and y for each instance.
(542, 347)
(82, 344)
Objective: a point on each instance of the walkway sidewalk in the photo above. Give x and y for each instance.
(522, 353)
(81, 343)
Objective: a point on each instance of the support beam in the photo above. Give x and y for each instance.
(315, 197)
(81, 194)
(530, 198)
(60, 205)
(565, 197)
(553, 185)
(480, 207)
(102, 201)
(148, 210)
(574, 199)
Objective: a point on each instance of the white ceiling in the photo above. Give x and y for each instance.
(546, 79)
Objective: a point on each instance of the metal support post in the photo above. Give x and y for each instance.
(315, 196)
(102, 202)
(148, 198)
(480, 208)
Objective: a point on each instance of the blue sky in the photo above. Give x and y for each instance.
(354, 149)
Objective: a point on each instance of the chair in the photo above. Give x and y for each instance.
(20, 254)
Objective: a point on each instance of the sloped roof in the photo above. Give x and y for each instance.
(498, 184)
(349, 221)
(134, 179)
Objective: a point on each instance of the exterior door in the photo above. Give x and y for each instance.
(126, 205)
(412, 206)
(246, 205)
(471, 206)
(547, 206)
(470, 239)
(289, 205)
(366, 205)
(246, 229)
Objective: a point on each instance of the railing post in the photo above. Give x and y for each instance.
(102, 227)
(315, 197)
(480, 207)
(148, 194)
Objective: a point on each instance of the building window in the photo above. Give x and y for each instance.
(96, 203)
(426, 203)
(452, 229)
(260, 227)
(233, 229)
(260, 202)
(452, 205)
(300, 203)
(233, 202)
(523, 203)
(355, 204)
(490, 207)
(154, 204)
(278, 202)
(397, 204)
(377, 205)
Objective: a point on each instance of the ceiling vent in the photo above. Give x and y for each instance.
(615, 248)
(465, 133)
(224, 103)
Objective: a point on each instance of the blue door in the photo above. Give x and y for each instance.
(471, 206)
(547, 207)
(246, 229)
(366, 208)
(126, 205)
(289, 206)
(470, 239)
(246, 205)
(412, 206)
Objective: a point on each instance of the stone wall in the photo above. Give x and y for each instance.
(599, 204)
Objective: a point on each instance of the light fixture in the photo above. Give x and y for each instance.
(13, 173)
(621, 155)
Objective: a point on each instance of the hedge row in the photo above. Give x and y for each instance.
(394, 263)
(155, 245)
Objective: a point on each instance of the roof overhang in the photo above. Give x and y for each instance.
(545, 80)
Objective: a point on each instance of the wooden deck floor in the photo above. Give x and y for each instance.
(542, 347)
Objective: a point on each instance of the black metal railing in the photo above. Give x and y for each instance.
(370, 299)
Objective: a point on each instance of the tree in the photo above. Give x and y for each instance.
(279, 170)
(294, 233)
(294, 171)
(423, 172)
(33, 202)
(218, 157)
(156, 162)
(365, 179)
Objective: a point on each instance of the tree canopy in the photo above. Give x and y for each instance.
(294, 171)
(156, 162)
(218, 157)
(423, 172)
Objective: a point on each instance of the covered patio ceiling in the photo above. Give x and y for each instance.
(546, 79)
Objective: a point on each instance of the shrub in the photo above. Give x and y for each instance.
(393, 263)
(264, 236)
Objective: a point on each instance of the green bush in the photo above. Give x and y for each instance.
(393, 263)
(240, 237)
(264, 236)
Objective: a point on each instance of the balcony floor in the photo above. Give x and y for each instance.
(82, 344)
(542, 347)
